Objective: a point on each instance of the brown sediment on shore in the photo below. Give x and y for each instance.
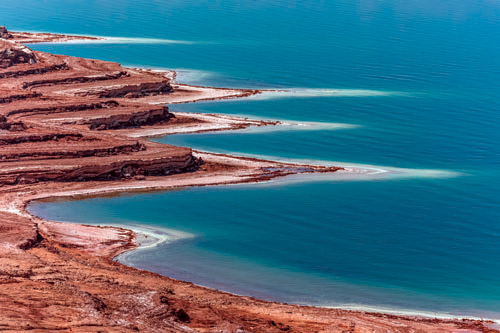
(72, 127)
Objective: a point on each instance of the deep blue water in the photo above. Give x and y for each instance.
(416, 243)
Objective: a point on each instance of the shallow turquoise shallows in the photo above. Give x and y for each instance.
(412, 84)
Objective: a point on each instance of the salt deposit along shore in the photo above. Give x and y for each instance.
(73, 127)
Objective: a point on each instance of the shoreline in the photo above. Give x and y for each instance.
(34, 238)
(164, 236)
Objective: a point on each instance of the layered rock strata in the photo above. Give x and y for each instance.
(54, 113)
(12, 53)
(72, 126)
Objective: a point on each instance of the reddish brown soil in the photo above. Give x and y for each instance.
(64, 131)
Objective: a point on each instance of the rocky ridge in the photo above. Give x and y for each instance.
(12, 54)
(41, 94)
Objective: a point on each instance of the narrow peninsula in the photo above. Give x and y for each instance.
(72, 127)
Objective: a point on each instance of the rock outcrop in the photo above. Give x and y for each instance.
(150, 116)
(12, 54)
(139, 90)
(5, 34)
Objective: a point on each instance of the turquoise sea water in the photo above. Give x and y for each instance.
(428, 72)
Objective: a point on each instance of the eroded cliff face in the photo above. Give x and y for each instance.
(12, 54)
(59, 114)
(4, 34)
